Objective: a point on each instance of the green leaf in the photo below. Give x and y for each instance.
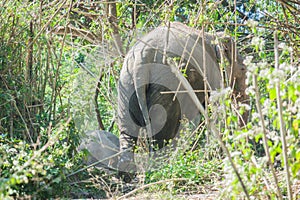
(228, 120)
(272, 93)
(291, 93)
(296, 125)
(276, 123)
(295, 168)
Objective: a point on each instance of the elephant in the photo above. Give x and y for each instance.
(151, 99)
(102, 147)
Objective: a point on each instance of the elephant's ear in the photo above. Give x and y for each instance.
(224, 46)
(218, 52)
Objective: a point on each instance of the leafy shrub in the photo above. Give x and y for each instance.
(35, 171)
(274, 123)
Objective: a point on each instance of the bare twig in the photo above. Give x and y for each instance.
(55, 89)
(14, 104)
(112, 18)
(281, 120)
(265, 140)
(111, 125)
(204, 64)
(98, 114)
(183, 91)
(84, 34)
(48, 22)
(286, 3)
(98, 162)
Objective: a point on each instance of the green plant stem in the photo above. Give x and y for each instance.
(265, 140)
(281, 120)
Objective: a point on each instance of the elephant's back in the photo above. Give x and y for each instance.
(177, 42)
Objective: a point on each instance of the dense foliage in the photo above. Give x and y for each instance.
(59, 66)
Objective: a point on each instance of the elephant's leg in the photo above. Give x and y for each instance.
(129, 126)
(165, 114)
(129, 121)
(126, 165)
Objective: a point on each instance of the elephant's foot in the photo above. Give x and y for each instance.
(127, 170)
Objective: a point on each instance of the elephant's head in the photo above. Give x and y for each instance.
(235, 70)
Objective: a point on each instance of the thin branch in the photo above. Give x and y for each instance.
(113, 20)
(286, 3)
(111, 126)
(265, 140)
(183, 91)
(98, 114)
(92, 16)
(86, 69)
(48, 22)
(56, 76)
(84, 34)
(234, 10)
(99, 162)
(14, 104)
(204, 64)
(281, 120)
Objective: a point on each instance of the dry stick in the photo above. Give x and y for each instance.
(265, 140)
(183, 91)
(25, 124)
(164, 61)
(98, 114)
(112, 18)
(287, 22)
(134, 15)
(98, 162)
(285, 14)
(233, 48)
(204, 67)
(28, 100)
(14, 104)
(189, 60)
(200, 133)
(211, 126)
(11, 121)
(84, 34)
(55, 92)
(48, 22)
(151, 184)
(282, 124)
(290, 7)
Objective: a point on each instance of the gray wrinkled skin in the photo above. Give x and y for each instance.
(146, 76)
(101, 147)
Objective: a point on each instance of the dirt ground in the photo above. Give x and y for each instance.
(207, 193)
